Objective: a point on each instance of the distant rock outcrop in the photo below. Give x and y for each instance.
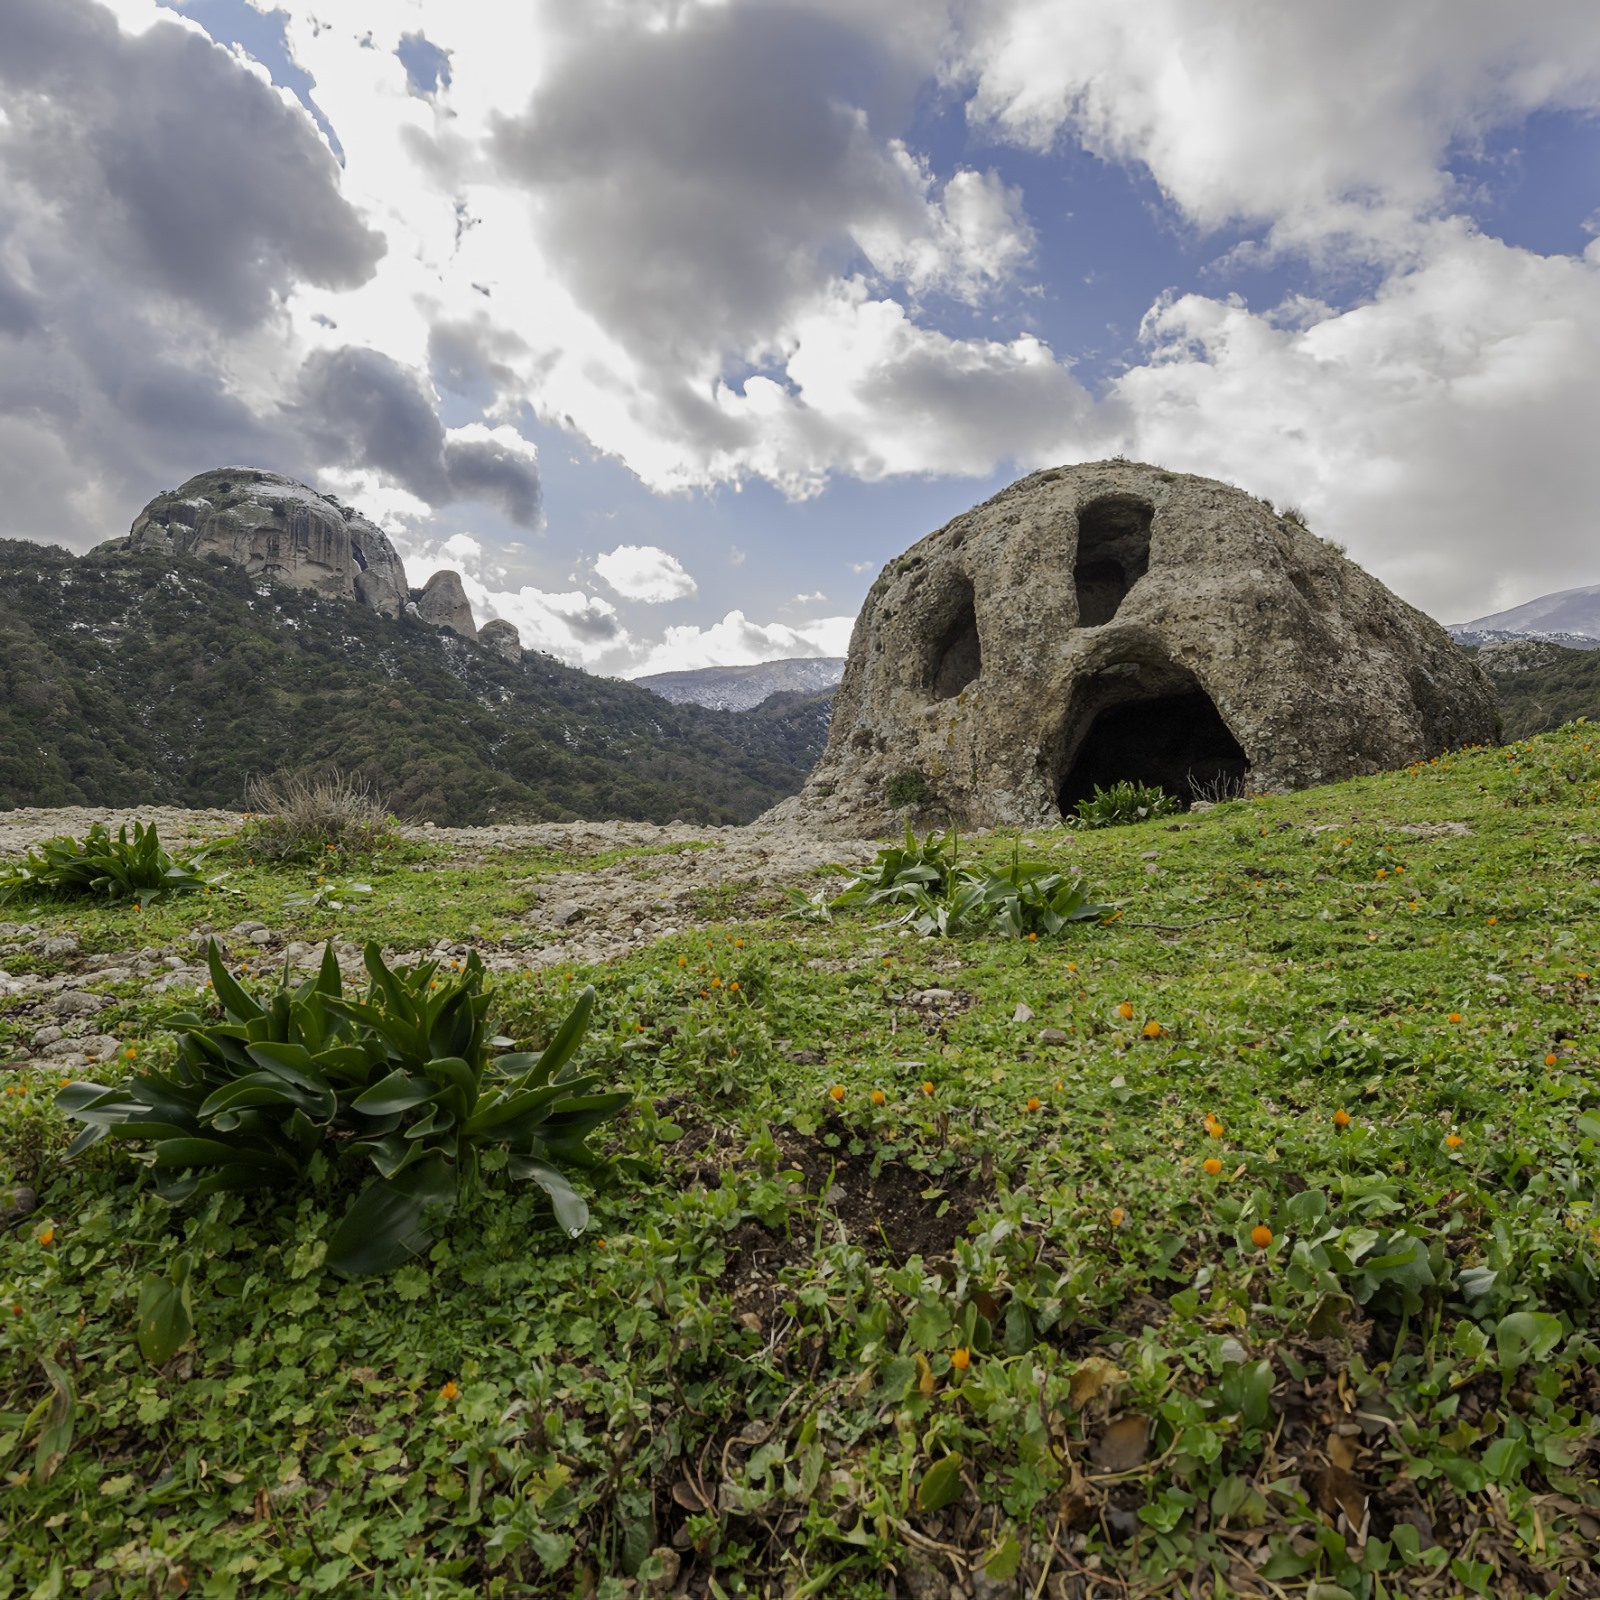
(501, 637)
(275, 528)
(443, 603)
(1115, 621)
(744, 687)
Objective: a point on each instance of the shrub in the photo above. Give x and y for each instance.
(908, 788)
(263, 1098)
(303, 818)
(121, 869)
(1122, 803)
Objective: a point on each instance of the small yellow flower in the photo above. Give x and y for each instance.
(1034, 1102)
(1072, 966)
(1059, 1086)
(1118, 1216)
(1341, 1118)
(961, 1358)
(1455, 1016)
(877, 1097)
(733, 988)
(130, 1054)
(449, 1390)
(1493, 921)
(1125, 1010)
(1552, 1059)
(1453, 1141)
(1033, 938)
(1152, 1030)
(48, 1236)
(1212, 1165)
(927, 1088)
(1261, 1236)
(683, 961)
(837, 1092)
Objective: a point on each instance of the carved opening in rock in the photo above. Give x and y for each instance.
(1113, 553)
(957, 656)
(1174, 740)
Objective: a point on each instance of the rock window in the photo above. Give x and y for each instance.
(957, 657)
(1113, 552)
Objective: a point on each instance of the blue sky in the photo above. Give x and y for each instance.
(667, 322)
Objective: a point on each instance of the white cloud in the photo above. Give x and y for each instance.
(1330, 122)
(736, 641)
(644, 572)
(1443, 431)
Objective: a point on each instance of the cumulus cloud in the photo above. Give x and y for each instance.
(737, 641)
(644, 572)
(1441, 430)
(1330, 123)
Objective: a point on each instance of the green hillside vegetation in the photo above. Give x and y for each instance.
(1244, 1242)
(135, 680)
(1558, 685)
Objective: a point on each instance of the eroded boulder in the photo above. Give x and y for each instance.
(275, 528)
(443, 603)
(501, 637)
(1114, 620)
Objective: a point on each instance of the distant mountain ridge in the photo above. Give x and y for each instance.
(136, 676)
(1569, 617)
(744, 687)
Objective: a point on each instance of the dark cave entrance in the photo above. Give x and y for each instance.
(957, 655)
(1174, 741)
(1113, 554)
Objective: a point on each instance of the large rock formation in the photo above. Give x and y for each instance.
(501, 637)
(278, 529)
(443, 604)
(1111, 621)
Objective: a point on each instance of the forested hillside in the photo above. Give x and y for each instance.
(141, 679)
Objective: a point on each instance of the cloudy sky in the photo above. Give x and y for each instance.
(667, 322)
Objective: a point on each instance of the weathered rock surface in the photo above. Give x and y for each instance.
(1114, 620)
(501, 637)
(274, 528)
(444, 604)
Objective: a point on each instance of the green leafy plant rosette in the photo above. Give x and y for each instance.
(944, 899)
(403, 1079)
(1123, 803)
(118, 868)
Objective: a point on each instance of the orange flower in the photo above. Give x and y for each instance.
(1454, 1141)
(1125, 1010)
(130, 1053)
(733, 987)
(1552, 1059)
(1118, 1216)
(877, 1097)
(716, 983)
(1493, 921)
(683, 961)
(599, 1244)
(1212, 1165)
(961, 1358)
(450, 1390)
(1261, 1236)
(927, 1088)
(1341, 1118)
(1033, 938)
(1059, 1086)
(1455, 1016)
(1072, 966)
(1152, 1030)
(48, 1236)
(738, 944)
(837, 1091)
(1034, 1102)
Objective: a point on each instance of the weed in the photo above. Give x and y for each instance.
(137, 870)
(907, 788)
(1123, 803)
(299, 817)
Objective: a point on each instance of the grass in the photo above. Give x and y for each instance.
(999, 1243)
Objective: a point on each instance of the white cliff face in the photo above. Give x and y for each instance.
(278, 529)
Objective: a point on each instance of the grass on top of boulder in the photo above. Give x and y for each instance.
(1242, 1241)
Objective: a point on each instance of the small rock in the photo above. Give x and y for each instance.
(45, 1036)
(667, 1560)
(1023, 1013)
(261, 936)
(1233, 1353)
(77, 1003)
(1052, 1036)
(58, 945)
(15, 1204)
(932, 997)
(100, 1046)
(565, 914)
(64, 1051)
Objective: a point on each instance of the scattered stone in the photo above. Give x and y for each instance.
(262, 936)
(77, 1003)
(17, 1203)
(1053, 1036)
(1023, 1013)
(564, 915)
(50, 947)
(46, 1036)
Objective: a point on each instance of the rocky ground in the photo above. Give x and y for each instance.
(580, 916)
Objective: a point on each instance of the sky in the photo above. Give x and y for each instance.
(667, 323)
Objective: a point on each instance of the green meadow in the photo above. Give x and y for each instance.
(1242, 1241)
